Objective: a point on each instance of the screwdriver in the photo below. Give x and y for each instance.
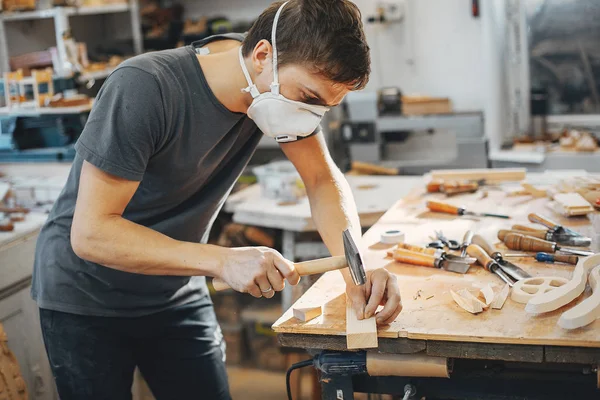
(446, 208)
(516, 241)
(549, 258)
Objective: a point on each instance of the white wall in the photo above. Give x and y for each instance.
(435, 51)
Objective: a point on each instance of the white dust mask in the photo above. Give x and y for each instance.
(275, 115)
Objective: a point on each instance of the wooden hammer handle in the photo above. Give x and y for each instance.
(303, 268)
(516, 241)
(538, 219)
(537, 234)
(481, 255)
(414, 258)
(437, 206)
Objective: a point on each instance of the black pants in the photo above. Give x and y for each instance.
(180, 353)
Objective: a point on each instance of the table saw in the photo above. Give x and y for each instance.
(499, 354)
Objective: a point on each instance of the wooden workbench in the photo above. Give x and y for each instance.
(432, 322)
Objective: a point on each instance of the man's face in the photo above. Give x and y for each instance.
(299, 83)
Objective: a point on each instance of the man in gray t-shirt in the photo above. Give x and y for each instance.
(120, 264)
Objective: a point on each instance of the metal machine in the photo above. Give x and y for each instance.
(416, 144)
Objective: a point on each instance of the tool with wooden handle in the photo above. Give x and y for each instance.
(548, 223)
(514, 271)
(488, 262)
(549, 258)
(467, 239)
(553, 236)
(351, 259)
(427, 260)
(446, 208)
(431, 251)
(516, 241)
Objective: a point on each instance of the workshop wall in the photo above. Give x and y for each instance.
(436, 50)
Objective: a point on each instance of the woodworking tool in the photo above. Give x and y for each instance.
(351, 259)
(466, 242)
(460, 266)
(437, 206)
(443, 242)
(548, 223)
(451, 188)
(488, 263)
(548, 258)
(553, 236)
(516, 241)
(431, 251)
(515, 272)
(392, 236)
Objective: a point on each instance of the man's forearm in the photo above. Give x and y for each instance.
(124, 245)
(333, 210)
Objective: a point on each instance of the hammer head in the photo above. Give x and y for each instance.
(355, 263)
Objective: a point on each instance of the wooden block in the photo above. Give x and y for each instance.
(500, 298)
(372, 169)
(306, 314)
(360, 334)
(425, 105)
(489, 174)
(572, 204)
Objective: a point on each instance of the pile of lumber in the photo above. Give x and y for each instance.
(578, 140)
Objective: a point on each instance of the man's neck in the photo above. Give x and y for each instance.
(225, 78)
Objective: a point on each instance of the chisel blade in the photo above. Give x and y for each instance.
(577, 241)
(515, 272)
(454, 266)
(460, 259)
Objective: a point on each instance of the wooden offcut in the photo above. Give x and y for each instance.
(308, 313)
(12, 385)
(487, 174)
(572, 204)
(360, 334)
(466, 303)
(500, 297)
(422, 105)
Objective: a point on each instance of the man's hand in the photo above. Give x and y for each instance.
(259, 271)
(381, 288)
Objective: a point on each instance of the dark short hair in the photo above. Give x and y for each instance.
(323, 34)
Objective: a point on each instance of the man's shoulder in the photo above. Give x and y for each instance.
(159, 64)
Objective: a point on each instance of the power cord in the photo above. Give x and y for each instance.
(298, 365)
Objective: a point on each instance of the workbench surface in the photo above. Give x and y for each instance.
(429, 312)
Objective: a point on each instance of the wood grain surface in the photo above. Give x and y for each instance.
(429, 312)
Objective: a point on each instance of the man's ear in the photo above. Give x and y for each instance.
(261, 55)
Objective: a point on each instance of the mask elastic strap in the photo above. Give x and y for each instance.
(275, 84)
(252, 89)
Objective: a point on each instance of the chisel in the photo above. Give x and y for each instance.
(516, 241)
(467, 239)
(515, 272)
(432, 252)
(554, 236)
(437, 206)
(488, 263)
(427, 260)
(549, 258)
(548, 223)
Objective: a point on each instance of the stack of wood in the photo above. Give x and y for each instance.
(12, 385)
(579, 190)
(9, 211)
(573, 139)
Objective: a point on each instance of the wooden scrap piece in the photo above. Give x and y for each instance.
(489, 174)
(468, 295)
(466, 304)
(488, 294)
(360, 334)
(307, 313)
(500, 298)
(588, 310)
(572, 204)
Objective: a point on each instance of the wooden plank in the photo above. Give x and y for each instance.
(489, 174)
(360, 334)
(438, 318)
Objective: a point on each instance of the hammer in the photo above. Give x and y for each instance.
(351, 259)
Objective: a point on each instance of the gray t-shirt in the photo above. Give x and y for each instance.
(157, 121)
